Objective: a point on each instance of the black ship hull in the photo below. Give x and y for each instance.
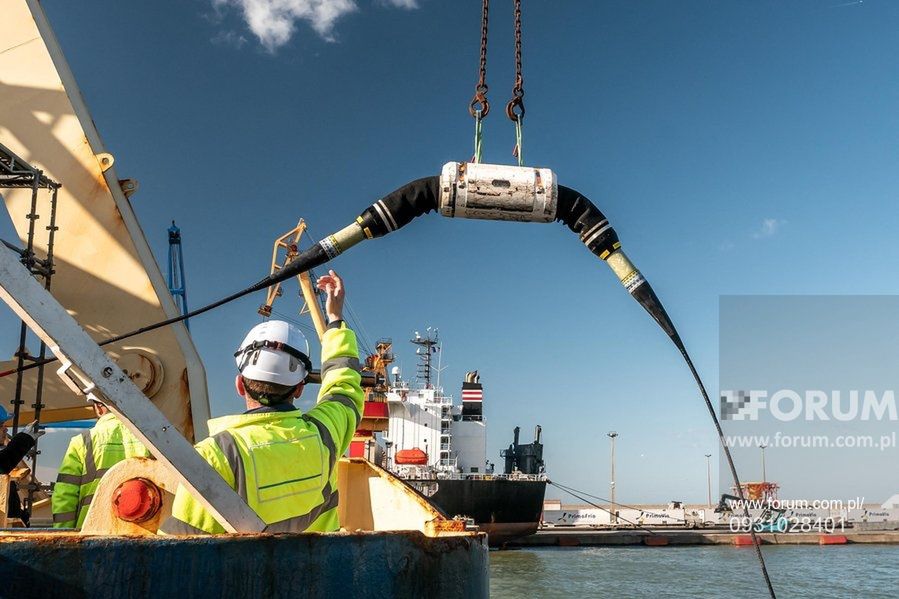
(504, 509)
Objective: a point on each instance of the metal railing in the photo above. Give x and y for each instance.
(513, 476)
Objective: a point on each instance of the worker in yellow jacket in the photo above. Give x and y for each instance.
(280, 461)
(87, 459)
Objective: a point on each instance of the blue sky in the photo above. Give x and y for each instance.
(737, 147)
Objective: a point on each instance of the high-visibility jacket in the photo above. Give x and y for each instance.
(282, 463)
(87, 459)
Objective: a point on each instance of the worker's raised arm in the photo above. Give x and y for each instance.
(340, 399)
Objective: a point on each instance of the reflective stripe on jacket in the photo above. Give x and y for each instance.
(87, 459)
(282, 463)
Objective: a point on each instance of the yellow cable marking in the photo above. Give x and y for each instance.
(364, 229)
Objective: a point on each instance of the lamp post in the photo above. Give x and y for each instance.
(612, 435)
(708, 463)
(764, 477)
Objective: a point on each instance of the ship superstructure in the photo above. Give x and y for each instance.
(429, 436)
(440, 448)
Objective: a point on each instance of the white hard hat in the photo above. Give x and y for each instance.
(274, 352)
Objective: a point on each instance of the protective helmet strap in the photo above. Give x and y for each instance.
(277, 346)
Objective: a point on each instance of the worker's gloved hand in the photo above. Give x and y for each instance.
(32, 431)
(332, 285)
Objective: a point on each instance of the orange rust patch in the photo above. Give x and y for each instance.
(440, 525)
(655, 541)
(566, 541)
(832, 540)
(743, 541)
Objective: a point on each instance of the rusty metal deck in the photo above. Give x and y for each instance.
(375, 564)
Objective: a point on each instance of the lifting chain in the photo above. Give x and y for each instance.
(515, 107)
(479, 106)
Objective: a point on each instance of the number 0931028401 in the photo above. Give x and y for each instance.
(786, 525)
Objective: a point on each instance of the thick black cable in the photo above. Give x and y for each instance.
(730, 463)
(392, 212)
(583, 218)
(419, 197)
(145, 329)
(312, 257)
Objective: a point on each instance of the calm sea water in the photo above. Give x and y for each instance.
(807, 571)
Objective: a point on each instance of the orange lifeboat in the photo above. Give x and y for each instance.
(413, 457)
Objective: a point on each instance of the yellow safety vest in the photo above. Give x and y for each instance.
(282, 463)
(87, 459)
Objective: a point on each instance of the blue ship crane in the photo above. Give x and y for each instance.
(177, 285)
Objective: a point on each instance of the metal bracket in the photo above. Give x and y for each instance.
(72, 380)
(87, 368)
(106, 160)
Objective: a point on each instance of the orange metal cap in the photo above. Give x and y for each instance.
(136, 500)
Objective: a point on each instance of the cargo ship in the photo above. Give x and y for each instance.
(439, 448)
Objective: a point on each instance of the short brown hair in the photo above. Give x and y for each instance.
(268, 393)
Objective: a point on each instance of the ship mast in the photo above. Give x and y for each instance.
(426, 347)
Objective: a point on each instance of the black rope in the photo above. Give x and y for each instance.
(151, 327)
(356, 323)
(289, 318)
(624, 505)
(353, 320)
(587, 501)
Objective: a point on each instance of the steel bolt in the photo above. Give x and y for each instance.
(107, 372)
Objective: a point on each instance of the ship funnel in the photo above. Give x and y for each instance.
(515, 441)
(537, 432)
(472, 397)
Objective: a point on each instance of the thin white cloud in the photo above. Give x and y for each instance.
(768, 228)
(407, 4)
(229, 38)
(274, 22)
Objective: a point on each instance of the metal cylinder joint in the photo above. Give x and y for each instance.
(498, 192)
